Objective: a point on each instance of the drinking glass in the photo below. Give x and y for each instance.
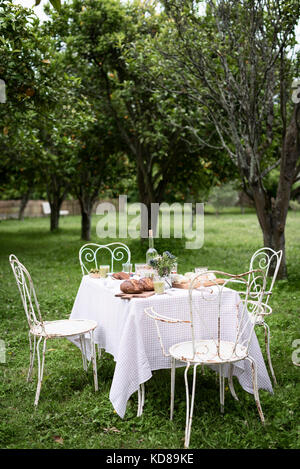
(139, 267)
(201, 270)
(104, 270)
(127, 267)
(147, 273)
(159, 286)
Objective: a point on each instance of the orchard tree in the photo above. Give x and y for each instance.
(103, 36)
(20, 154)
(24, 58)
(235, 62)
(99, 164)
(60, 137)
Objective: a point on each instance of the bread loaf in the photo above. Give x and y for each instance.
(121, 275)
(146, 284)
(131, 286)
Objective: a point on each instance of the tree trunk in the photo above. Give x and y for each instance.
(146, 198)
(86, 217)
(56, 192)
(54, 215)
(276, 241)
(23, 204)
(272, 212)
(272, 226)
(86, 203)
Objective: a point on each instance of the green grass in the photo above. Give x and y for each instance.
(68, 406)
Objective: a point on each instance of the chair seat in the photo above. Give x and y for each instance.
(206, 352)
(63, 328)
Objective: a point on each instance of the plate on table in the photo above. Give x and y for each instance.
(202, 283)
(128, 296)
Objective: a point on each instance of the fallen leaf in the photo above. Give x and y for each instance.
(111, 429)
(58, 439)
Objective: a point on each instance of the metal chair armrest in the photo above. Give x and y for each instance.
(159, 317)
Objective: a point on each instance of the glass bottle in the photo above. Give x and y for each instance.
(151, 252)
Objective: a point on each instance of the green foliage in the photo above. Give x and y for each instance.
(227, 62)
(294, 205)
(112, 44)
(109, 97)
(271, 182)
(223, 196)
(55, 3)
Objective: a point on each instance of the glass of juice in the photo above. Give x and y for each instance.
(159, 285)
(104, 270)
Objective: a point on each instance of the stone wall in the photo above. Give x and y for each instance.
(10, 208)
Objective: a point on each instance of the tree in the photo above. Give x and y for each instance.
(19, 155)
(235, 63)
(23, 58)
(60, 136)
(99, 164)
(105, 35)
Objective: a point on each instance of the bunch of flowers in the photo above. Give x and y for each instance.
(163, 264)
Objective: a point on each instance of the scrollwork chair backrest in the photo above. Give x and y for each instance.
(89, 255)
(265, 259)
(212, 322)
(27, 292)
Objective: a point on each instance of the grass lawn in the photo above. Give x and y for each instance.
(71, 415)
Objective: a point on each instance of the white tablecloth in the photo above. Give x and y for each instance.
(130, 336)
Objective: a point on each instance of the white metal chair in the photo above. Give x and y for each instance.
(207, 348)
(44, 330)
(88, 255)
(265, 259)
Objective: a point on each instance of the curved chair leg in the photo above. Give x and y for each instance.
(40, 369)
(267, 342)
(189, 411)
(187, 419)
(141, 399)
(94, 360)
(32, 355)
(83, 352)
(222, 388)
(173, 369)
(139, 402)
(255, 388)
(230, 383)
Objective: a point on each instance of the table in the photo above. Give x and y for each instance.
(131, 338)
